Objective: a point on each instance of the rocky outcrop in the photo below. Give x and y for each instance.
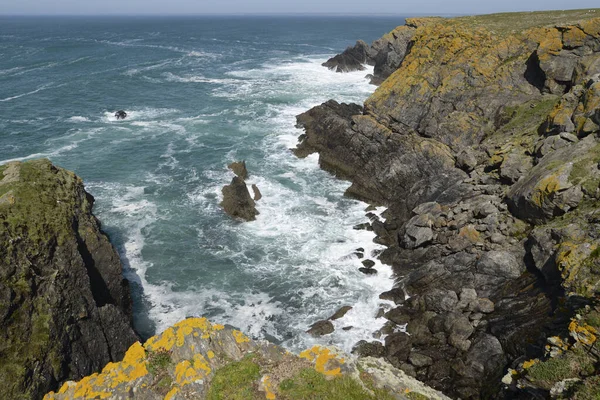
(385, 54)
(237, 201)
(65, 308)
(483, 144)
(199, 360)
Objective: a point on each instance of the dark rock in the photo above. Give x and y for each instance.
(237, 201)
(368, 263)
(399, 315)
(440, 300)
(369, 349)
(239, 169)
(120, 114)
(320, 328)
(396, 295)
(419, 360)
(397, 346)
(466, 160)
(65, 308)
(352, 59)
(340, 313)
(368, 271)
(363, 227)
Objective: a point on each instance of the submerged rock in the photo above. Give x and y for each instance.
(65, 308)
(120, 114)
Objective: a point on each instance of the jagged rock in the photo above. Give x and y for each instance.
(257, 193)
(340, 313)
(321, 328)
(420, 360)
(397, 347)
(239, 169)
(65, 308)
(237, 201)
(352, 59)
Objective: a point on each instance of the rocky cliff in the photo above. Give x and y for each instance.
(484, 145)
(195, 359)
(65, 309)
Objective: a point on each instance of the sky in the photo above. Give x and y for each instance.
(395, 7)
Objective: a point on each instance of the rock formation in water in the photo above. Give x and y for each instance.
(195, 359)
(484, 145)
(237, 201)
(65, 309)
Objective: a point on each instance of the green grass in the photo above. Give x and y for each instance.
(311, 385)
(505, 23)
(589, 389)
(236, 381)
(574, 364)
(159, 361)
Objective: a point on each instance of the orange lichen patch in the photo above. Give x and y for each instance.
(240, 337)
(210, 354)
(164, 341)
(573, 37)
(201, 363)
(591, 26)
(268, 386)
(185, 373)
(177, 334)
(585, 333)
(570, 258)
(530, 363)
(171, 393)
(322, 358)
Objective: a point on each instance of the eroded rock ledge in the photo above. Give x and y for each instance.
(65, 309)
(484, 145)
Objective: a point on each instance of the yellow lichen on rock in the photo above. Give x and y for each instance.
(240, 337)
(530, 363)
(325, 361)
(583, 333)
(268, 388)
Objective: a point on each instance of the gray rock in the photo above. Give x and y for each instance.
(501, 264)
(369, 349)
(440, 300)
(368, 263)
(257, 193)
(466, 160)
(419, 360)
(368, 271)
(321, 328)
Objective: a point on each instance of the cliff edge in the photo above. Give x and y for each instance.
(484, 146)
(65, 309)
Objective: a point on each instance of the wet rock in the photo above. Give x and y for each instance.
(239, 169)
(257, 193)
(363, 227)
(396, 295)
(237, 201)
(352, 59)
(369, 349)
(368, 263)
(368, 271)
(321, 328)
(340, 313)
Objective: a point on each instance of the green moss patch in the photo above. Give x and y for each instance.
(159, 361)
(236, 381)
(575, 364)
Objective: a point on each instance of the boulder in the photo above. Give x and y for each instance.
(120, 114)
(501, 264)
(237, 201)
(321, 328)
(257, 193)
(340, 313)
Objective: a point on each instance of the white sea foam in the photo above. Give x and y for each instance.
(78, 118)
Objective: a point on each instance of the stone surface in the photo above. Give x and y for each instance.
(237, 201)
(65, 307)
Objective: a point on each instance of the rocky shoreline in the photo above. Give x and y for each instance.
(483, 144)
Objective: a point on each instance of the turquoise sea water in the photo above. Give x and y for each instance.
(201, 93)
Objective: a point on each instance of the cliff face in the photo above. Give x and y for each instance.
(484, 146)
(199, 360)
(65, 309)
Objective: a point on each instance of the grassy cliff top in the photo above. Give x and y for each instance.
(504, 23)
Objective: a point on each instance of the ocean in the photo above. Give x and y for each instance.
(200, 93)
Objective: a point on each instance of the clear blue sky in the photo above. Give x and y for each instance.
(400, 7)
